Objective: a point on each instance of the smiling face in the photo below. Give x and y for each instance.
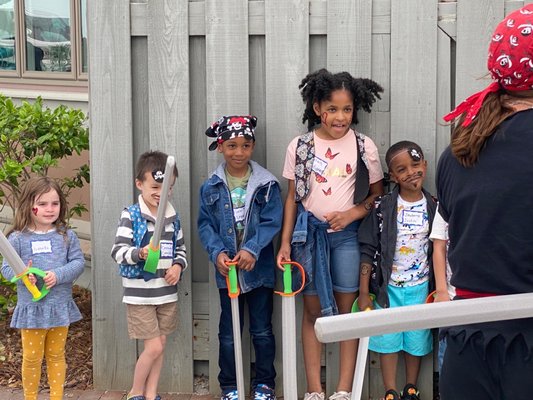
(335, 115)
(45, 210)
(237, 153)
(409, 173)
(151, 191)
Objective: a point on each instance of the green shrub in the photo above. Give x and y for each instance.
(34, 138)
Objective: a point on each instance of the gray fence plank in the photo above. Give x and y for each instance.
(287, 62)
(227, 86)
(114, 354)
(168, 43)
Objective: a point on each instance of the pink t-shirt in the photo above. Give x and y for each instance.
(333, 176)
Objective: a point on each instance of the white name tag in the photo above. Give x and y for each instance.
(238, 214)
(166, 249)
(319, 166)
(41, 247)
(413, 218)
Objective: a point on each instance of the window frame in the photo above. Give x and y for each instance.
(21, 74)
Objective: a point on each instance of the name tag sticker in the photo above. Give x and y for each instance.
(41, 247)
(166, 249)
(238, 214)
(319, 166)
(413, 218)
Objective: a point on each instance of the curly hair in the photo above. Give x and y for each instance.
(319, 85)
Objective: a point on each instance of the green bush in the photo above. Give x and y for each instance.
(34, 138)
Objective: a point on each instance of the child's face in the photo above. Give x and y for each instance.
(237, 153)
(151, 191)
(45, 210)
(335, 115)
(407, 172)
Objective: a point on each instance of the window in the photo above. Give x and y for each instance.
(44, 41)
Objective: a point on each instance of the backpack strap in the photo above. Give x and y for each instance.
(362, 177)
(305, 155)
(138, 224)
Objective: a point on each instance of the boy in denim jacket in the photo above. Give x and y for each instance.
(240, 213)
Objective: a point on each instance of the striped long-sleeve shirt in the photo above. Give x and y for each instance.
(156, 290)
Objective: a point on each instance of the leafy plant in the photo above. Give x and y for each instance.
(8, 295)
(33, 139)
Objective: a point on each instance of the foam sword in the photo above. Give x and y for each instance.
(154, 250)
(22, 270)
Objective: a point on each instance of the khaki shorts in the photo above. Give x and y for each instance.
(150, 321)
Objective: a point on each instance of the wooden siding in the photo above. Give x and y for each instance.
(163, 70)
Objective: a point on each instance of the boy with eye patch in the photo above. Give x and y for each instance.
(396, 263)
(150, 298)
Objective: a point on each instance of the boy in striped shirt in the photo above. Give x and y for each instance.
(151, 299)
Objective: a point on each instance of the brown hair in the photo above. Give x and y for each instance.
(33, 189)
(468, 141)
(150, 161)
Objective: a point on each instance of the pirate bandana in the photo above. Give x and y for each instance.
(510, 61)
(158, 175)
(231, 127)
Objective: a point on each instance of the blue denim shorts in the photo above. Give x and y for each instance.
(344, 261)
(417, 343)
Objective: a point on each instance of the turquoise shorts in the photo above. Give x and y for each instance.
(416, 343)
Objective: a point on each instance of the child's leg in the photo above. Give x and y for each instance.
(389, 363)
(412, 368)
(32, 358)
(226, 356)
(260, 302)
(56, 365)
(153, 351)
(152, 381)
(312, 348)
(348, 348)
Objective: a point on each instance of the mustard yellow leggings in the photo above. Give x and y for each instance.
(50, 343)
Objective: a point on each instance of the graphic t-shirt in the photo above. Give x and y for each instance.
(410, 265)
(237, 188)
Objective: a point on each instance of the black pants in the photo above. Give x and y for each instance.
(475, 370)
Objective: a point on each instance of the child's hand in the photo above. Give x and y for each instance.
(32, 279)
(143, 252)
(222, 258)
(364, 302)
(245, 260)
(441, 295)
(339, 220)
(173, 274)
(50, 279)
(284, 254)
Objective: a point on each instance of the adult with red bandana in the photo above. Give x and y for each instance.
(485, 189)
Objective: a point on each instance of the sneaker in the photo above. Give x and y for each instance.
(157, 397)
(410, 392)
(231, 395)
(314, 396)
(264, 392)
(136, 397)
(391, 395)
(341, 395)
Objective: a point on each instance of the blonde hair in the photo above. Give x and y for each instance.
(33, 189)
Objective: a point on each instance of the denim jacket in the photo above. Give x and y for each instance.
(263, 218)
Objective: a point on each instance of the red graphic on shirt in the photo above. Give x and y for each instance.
(349, 169)
(327, 192)
(319, 178)
(330, 155)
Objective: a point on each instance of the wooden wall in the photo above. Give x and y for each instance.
(162, 70)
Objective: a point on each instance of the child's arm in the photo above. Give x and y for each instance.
(289, 218)
(270, 217)
(439, 269)
(339, 220)
(69, 272)
(208, 233)
(123, 251)
(368, 243)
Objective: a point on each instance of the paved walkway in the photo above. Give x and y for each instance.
(16, 394)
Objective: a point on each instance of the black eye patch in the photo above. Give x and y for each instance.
(158, 175)
(414, 154)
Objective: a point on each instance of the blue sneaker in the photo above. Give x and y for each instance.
(231, 395)
(264, 392)
(135, 398)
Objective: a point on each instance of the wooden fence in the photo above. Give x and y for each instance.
(162, 70)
